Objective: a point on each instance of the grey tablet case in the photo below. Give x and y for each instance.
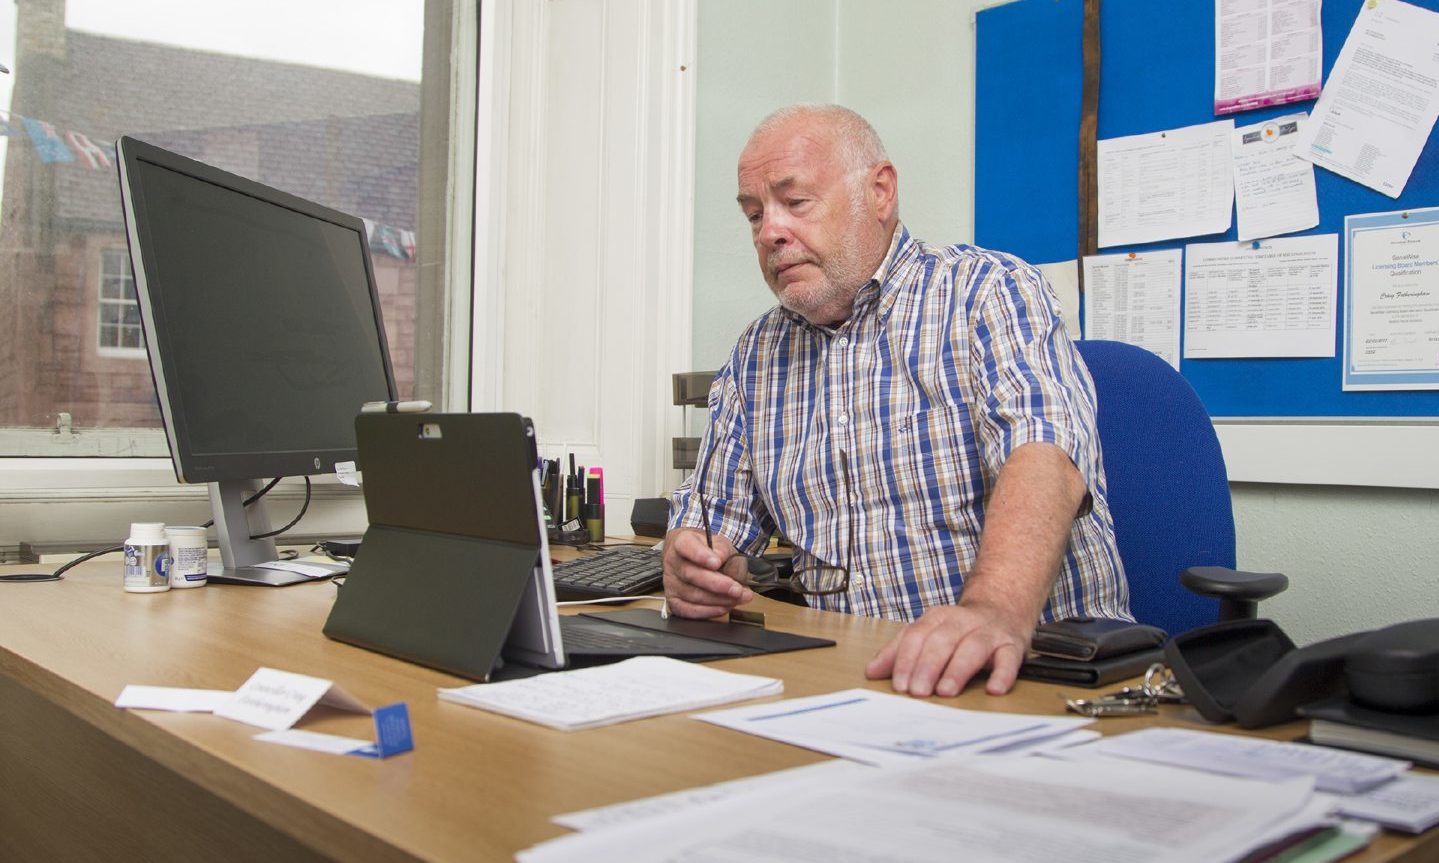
(446, 558)
(454, 540)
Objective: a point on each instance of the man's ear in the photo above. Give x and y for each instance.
(884, 190)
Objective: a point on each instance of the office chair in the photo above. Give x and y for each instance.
(1168, 492)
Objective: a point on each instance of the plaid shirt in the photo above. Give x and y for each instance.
(952, 358)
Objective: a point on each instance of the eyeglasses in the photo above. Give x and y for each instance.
(817, 579)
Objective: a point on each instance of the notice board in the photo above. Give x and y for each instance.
(1157, 72)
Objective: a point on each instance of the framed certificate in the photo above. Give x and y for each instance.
(1391, 288)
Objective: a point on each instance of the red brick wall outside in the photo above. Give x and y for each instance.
(51, 356)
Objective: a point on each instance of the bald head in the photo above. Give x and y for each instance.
(855, 144)
(821, 199)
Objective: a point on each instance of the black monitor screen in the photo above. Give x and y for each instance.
(261, 317)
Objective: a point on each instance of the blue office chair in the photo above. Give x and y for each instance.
(1169, 494)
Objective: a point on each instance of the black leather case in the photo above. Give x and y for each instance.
(1091, 651)
(1090, 638)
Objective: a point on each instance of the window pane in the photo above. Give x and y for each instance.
(328, 106)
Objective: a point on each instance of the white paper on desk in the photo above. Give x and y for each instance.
(172, 698)
(1233, 755)
(1266, 53)
(606, 694)
(1273, 188)
(305, 569)
(1163, 185)
(1409, 803)
(1381, 99)
(1134, 298)
(886, 729)
(778, 786)
(1016, 810)
(275, 699)
(1264, 298)
(334, 744)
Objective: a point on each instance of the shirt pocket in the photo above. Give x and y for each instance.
(920, 470)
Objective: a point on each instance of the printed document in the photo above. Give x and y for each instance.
(1233, 755)
(606, 694)
(1273, 189)
(883, 728)
(1391, 332)
(1270, 298)
(1266, 52)
(1015, 810)
(1382, 97)
(1134, 298)
(1162, 185)
(1409, 803)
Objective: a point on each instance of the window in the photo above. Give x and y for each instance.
(119, 312)
(332, 107)
(365, 106)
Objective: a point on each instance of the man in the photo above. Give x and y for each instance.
(914, 419)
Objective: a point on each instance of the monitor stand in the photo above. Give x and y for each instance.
(239, 554)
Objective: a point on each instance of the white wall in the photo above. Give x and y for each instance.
(906, 67)
(752, 56)
(582, 270)
(1356, 557)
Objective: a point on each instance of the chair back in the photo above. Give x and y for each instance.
(1167, 487)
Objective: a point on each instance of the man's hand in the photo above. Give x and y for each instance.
(694, 586)
(948, 645)
(1026, 529)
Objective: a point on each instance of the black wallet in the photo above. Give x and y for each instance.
(1089, 652)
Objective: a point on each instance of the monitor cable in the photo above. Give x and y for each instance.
(31, 577)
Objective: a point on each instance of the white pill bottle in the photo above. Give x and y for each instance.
(147, 558)
(189, 556)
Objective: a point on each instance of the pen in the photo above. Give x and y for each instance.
(415, 407)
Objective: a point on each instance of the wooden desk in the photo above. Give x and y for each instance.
(83, 780)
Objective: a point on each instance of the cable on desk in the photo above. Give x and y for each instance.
(19, 577)
(57, 575)
(605, 599)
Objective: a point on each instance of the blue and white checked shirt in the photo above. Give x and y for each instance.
(952, 358)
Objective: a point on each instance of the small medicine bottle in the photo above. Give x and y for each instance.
(147, 558)
(189, 556)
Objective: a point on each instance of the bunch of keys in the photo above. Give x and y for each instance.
(1159, 687)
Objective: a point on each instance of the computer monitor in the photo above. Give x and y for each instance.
(263, 328)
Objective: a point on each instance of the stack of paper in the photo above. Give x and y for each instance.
(974, 809)
(1332, 769)
(606, 694)
(1409, 803)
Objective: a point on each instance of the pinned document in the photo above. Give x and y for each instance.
(1164, 185)
(1382, 97)
(1134, 298)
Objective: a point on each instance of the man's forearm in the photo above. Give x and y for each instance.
(1026, 530)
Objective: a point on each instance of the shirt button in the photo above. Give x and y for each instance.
(843, 341)
(842, 419)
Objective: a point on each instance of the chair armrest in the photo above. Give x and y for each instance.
(1238, 592)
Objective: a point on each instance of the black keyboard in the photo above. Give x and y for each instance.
(619, 571)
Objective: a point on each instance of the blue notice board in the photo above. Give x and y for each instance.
(1157, 72)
